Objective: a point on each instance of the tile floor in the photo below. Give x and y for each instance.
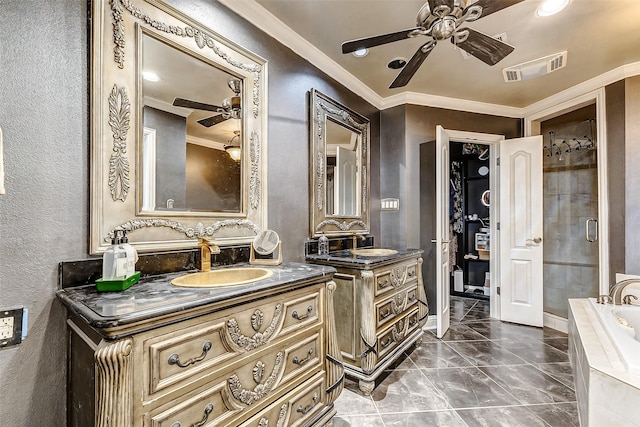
(483, 372)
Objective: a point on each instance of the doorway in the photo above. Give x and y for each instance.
(470, 220)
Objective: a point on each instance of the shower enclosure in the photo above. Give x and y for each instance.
(570, 173)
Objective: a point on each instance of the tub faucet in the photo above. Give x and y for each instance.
(616, 291)
(207, 247)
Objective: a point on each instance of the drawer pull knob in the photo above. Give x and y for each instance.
(174, 359)
(412, 297)
(385, 314)
(387, 343)
(413, 322)
(207, 410)
(384, 284)
(296, 316)
(307, 409)
(301, 362)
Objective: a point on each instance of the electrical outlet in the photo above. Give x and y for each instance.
(11, 325)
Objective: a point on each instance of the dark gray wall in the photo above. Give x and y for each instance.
(44, 215)
(632, 177)
(616, 169)
(213, 180)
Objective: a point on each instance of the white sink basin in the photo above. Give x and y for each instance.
(374, 252)
(224, 277)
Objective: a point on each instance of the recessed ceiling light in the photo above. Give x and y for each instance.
(151, 76)
(397, 63)
(360, 52)
(551, 7)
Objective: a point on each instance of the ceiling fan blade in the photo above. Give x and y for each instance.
(491, 6)
(187, 103)
(484, 47)
(440, 8)
(353, 45)
(412, 66)
(213, 120)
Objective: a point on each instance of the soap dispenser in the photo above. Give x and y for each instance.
(118, 265)
(114, 259)
(323, 245)
(131, 255)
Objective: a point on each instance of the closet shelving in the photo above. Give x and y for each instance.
(475, 218)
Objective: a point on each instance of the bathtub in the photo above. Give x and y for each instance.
(622, 325)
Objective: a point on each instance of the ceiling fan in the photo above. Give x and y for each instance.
(230, 108)
(440, 19)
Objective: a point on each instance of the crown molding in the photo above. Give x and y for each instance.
(267, 22)
(598, 82)
(451, 104)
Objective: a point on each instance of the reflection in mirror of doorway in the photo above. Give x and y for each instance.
(469, 228)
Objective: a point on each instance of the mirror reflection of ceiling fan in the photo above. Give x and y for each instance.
(440, 20)
(230, 108)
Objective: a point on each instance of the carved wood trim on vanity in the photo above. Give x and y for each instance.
(368, 327)
(114, 371)
(259, 338)
(335, 367)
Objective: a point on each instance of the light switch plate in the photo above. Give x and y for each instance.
(11, 327)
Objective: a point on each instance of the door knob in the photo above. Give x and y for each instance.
(535, 240)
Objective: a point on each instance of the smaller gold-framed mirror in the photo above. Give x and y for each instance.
(339, 140)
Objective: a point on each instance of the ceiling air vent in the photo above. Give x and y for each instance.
(536, 68)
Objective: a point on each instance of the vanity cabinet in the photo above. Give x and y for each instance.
(380, 309)
(263, 358)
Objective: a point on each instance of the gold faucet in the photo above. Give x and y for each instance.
(207, 247)
(354, 241)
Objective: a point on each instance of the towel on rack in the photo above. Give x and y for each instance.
(1, 165)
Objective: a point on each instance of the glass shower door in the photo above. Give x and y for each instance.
(570, 171)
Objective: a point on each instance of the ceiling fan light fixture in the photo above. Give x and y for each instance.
(233, 149)
(551, 7)
(359, 53)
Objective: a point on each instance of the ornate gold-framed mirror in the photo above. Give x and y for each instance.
(178, 130)
(339, 139)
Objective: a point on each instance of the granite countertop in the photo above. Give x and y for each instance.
(155, 296)
(346, 258)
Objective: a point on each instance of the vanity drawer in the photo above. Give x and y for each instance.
(208, 408)
(260, 377)
(302, 311)
(395, 278)
(192, 353)
(396, 333)
(390, 308)
(295, 408)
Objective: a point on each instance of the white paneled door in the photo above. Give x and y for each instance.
(441, 241)
(520, 207)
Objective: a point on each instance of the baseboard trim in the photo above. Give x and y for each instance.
(431, 323)
(555, 322)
